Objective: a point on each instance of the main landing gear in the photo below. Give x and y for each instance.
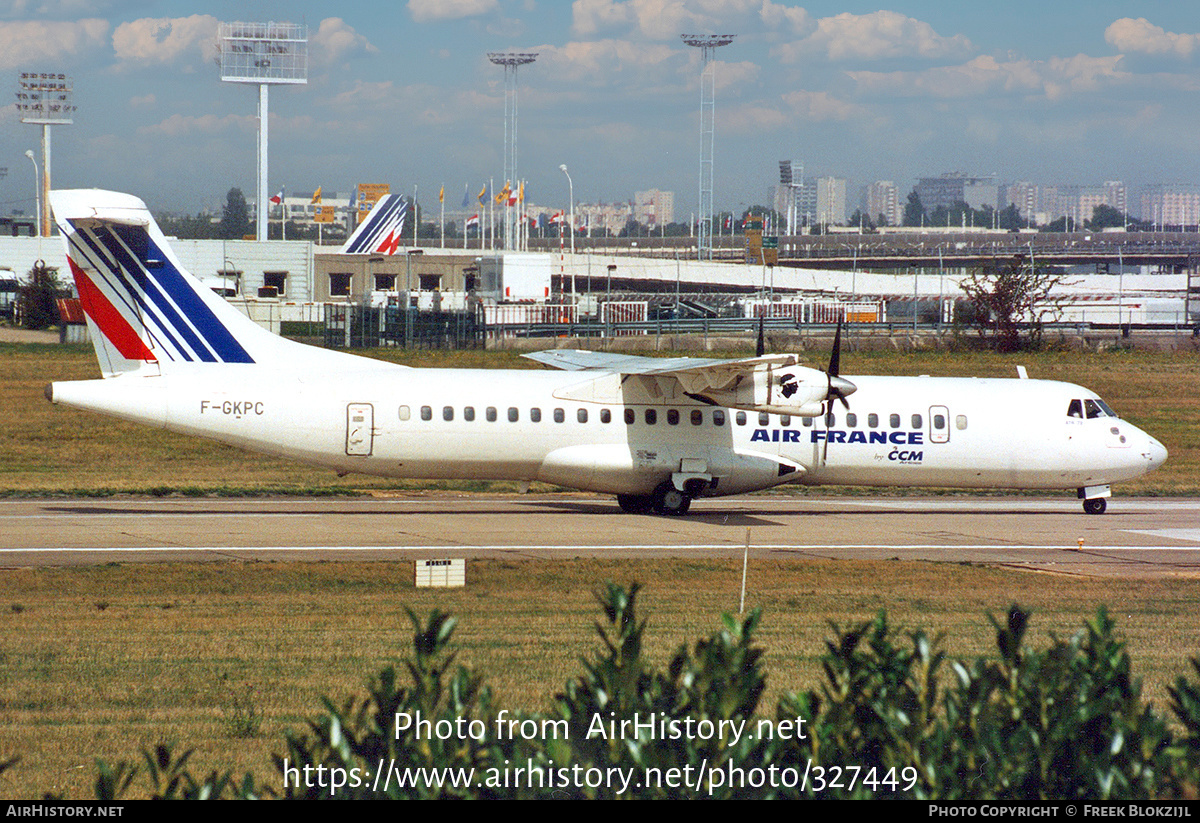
(1096, 505)
(665, 500)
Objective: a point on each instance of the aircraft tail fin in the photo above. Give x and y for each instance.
(144, 311)
(382, 231)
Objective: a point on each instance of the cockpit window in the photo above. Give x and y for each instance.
(1092, 409)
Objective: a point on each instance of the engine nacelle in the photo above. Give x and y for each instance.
(795, 390)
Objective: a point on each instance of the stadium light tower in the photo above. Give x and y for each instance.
(511, 62)
(708, 44)
(264, 54)
(45, 100)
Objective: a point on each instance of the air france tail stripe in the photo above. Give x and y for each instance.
(152, 288)
(384, 221)
(226, 346)
(122, 283)
(108, 319)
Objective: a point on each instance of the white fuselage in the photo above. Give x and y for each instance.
(593, 431)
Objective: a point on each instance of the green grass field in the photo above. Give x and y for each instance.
(96, 662)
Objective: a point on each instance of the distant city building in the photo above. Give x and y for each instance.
(956, 187)
(654, 207)
(1172, 205)
(831, 201)
(1025, 196)
(883, 200)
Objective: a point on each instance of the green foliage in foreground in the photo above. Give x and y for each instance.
(893, 718)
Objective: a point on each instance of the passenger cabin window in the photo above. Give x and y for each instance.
(651, 417)
(535, 415)
(514, 414)
(447, 412)
(673, 417)
(581, 415)
(873, 420)
(559, 416)
(718, 417)
(851, 420)
(469, 413)
(605, 416)
(785, 420)
(894, 421)
(490, 414)
(405, 412)
(764, 419)
(939, 422)
(629, 417)
(808, 422)
(830, 420)
(740, 418)
(916, 421)
(697, 417)
(427, 412)
(961, 422)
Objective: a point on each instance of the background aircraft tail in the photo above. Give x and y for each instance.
(382, 231)
(144, 311)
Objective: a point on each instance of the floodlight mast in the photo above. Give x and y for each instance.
(708, 44)
(511, 62)
(45, 99)
(264, 54)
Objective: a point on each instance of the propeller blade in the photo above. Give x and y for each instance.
(835, 357)
(761, 347)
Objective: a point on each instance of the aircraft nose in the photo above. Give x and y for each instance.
(1156, 453)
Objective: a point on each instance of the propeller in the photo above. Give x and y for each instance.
(760, 348)
(839, 387)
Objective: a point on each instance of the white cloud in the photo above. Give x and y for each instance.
(1141, 36)
(666, 19)
(335, 41)
(986, 76)
(425, 11)
(597, 62)
(38, 46)
(179, 125)
(876, 36)
(163, 41)
(820, 106)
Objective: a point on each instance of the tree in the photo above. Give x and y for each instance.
(235, 217)
(36, 298)
(1008, 295)
(914, 211)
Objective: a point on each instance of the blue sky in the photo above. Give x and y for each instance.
(402, 93)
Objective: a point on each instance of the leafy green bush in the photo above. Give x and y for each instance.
(893, 718)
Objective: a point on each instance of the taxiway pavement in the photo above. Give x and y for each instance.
(1136, 538)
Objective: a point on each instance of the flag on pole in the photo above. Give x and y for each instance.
(472, 222)
(316, 198)
(277, 199)
(442, 194)
(483, 193)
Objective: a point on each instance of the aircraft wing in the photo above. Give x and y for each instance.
(771, 383)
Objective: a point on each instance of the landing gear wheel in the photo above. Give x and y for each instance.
(1096, 505)
(636, 503)
(670, 501)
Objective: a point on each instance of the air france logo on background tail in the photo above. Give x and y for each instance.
(383, 229)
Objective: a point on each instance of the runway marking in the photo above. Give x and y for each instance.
(450, 547)
(1170, 534)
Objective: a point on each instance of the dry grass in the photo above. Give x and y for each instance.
(101, 661)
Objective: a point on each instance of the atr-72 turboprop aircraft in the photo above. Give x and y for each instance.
(655, 432)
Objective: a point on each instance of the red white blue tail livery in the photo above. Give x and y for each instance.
(383, 230)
